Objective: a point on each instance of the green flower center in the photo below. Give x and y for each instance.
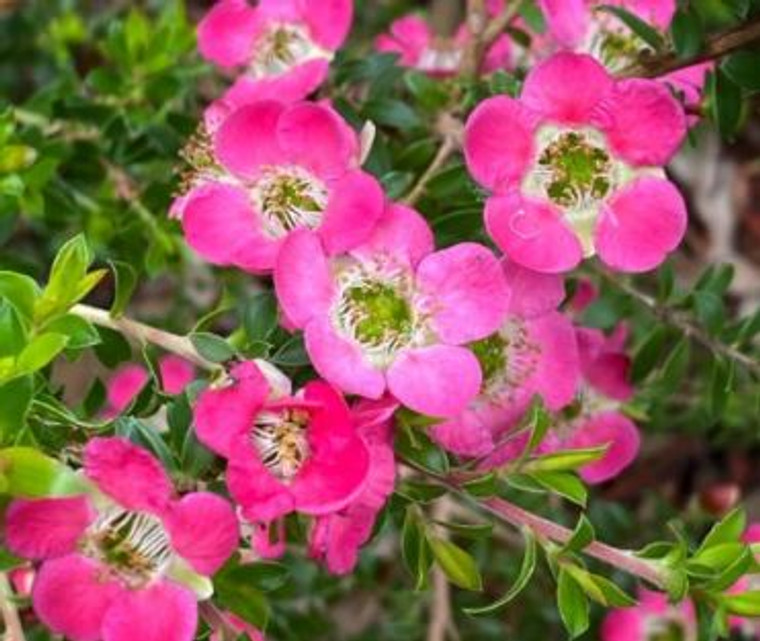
(280, 438)
(491, 353)
(290, 199)
(378, 314)
(667, 630)
(575, 170)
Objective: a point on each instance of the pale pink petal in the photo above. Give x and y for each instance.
(644, 123)
(88, 596)
(437, 381)
(409, 36)
(268, 539)
(281, 10)
(467, 291)
(127, 473)
(640, 225)
(162, 612)
(294, 85)
(341, 362)
(224, 413)
(353, 211)
(465, 435)
(566, 88)
(313, 135)
(43, 528)
(329, 21)
(557, 373)
(498, 143)
(124, 386)
(176, 373)
(567, 21)
(247, 141)
(532, 234)
(204, 530)
(227, 33)
(532, 293)
(618, 433)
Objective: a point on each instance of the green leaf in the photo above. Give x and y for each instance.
(468, 530)
(30, 473)
(598, 588)
(80, 333)
(260, 316)
(710, 310)
(564, 460)
(573, 605)
(113, 348)
(125, 282)
(21, 291)
(687, 33)
(415, 549)
(237, 593)
(40, 352)
(721, 384)
(644, 31)
(66, 275)
(15, 158)
(565, 484)
(745, 604)
(743, 68)
(648, 354)
(718, 557)
(583, 534)
(457, 564)
(211, 347)
(292, 353)
(12, 331)
(726, 103)
(15, 399)
(527, 568)
(482, 487)
(728, 530)
(146, 435)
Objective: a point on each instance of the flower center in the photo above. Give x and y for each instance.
(280, 439)
(491, 353)
(661, 629)
(288, 199)
(282, 48)
(134, 545)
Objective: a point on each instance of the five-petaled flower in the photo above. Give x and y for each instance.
(653, 619)
(269, 170)
(125, 555)
(575, 168)
(393, 314)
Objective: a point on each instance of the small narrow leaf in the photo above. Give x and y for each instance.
(457, 564)
(125, 282)
(573, 604)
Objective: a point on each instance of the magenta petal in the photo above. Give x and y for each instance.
(222, 414)
(246, 141)
(342, 362)
(465, 435)
(644, 123)
(467, 292)
(604, 366)
(532, 293)
(163, 612)
(567, 88)
(314, 135)
(252, 485)
(437, 381)
(567, 20)
(409, 37)
(624, 625)
(127, 473)
(227, 32)
(532, 233)
(498, 143)
(71, 596)
(558, 370)
(616, 431)
(204, 530)
(402, 232)
(44, 528)
(125, 385)
(176, 373)
(302, 278)
(329, 21)
(355, 207)
(640, 225)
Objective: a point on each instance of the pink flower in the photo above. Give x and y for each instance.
(419, 48)
(575, 166)
(336, 538)
(127, 382)
(391, 314)
(272, 169)
(116, 565)
(652, 618)
(300, 453)
(533, 352)
(284, 46)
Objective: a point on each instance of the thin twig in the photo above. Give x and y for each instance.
(447, 149)
(13, 628)
(483, 33)
(440, 620)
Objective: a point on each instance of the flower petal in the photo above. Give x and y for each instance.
(532, 293)
(640, 225)
(204, 530)
(341, 362)
(566, 88)
(162, 612)
(227, 32)
(624, 625)
(246, 140)
(222, 414)
(498, 143)
(532, 234)
(127, 473)
(437, 381)
(176, 373)
(644, 123)
(329, 21)
(353, 211)
(467, 291)
(124, 386)
(464, 435)
(557, 373)
(409, 36)
(88, 596)
(567, 21)
(44, 528)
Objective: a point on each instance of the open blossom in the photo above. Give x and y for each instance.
(393, 314)
(575, 168)
(270, 169)
(336, 538)
(284, 47)
(653, 619)
(127, 381)
(533, 352)
(123, 558)
(420, 48)
(300, 453)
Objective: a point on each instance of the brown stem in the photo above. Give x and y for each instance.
(716, 47)
(13, 628)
